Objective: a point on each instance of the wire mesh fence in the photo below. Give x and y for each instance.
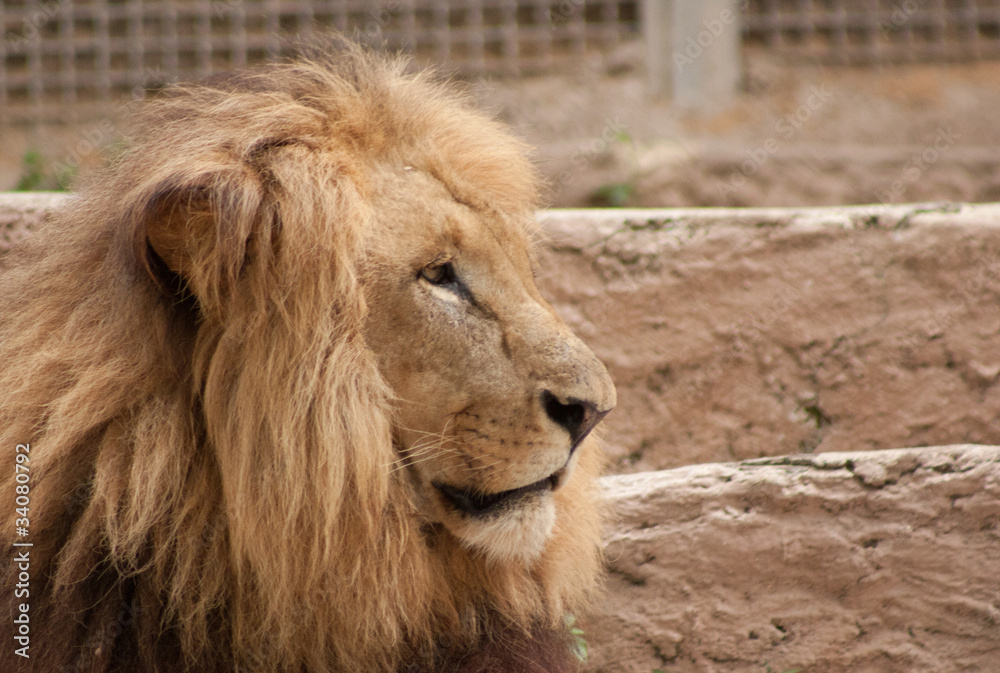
(58, 55)
(875, 31)
(61, 59)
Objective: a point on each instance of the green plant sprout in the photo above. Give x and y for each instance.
(37, 176)
(579, 643)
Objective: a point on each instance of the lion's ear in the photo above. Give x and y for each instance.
(177, 228)
(195, 234)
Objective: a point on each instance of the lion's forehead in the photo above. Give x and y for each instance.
(419, 217)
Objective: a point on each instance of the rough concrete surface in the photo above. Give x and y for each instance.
(735, 334)
(21, 211)
(864, 562)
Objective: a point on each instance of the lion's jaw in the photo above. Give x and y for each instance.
(495, 394)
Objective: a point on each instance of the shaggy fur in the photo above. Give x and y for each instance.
(217, 481)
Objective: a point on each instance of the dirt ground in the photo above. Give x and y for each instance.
(798, 135)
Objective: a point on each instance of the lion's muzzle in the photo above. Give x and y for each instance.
(477, 504)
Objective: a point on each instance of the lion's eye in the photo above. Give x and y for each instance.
(440, 274)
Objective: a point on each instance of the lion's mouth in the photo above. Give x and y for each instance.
(476, 503)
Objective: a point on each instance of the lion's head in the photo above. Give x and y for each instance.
(494, 394)
(292, 397)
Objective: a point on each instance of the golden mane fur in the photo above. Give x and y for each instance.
(214, 485)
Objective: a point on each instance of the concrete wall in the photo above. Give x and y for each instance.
(869, 562)
(741, 333)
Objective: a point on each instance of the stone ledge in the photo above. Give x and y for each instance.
(882, 561)
(20, 211)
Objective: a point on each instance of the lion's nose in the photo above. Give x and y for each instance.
(578, 417)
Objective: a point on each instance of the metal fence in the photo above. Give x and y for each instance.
(875, 31)
(59, 59)
(60, 54)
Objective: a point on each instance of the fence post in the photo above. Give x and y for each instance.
(693, 51)
(656, 19)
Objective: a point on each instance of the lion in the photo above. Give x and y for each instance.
(288, 398)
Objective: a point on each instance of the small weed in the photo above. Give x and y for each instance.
(818, 415)
(623, 136)
(31, 172)
(37, 176)
(620, 194)
(613, 195)
(579, 644)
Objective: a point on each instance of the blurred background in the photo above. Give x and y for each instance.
(629, 103)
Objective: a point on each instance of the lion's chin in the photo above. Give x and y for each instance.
(504, 526)
(517, 533)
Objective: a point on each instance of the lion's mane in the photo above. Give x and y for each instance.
(213, 482)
